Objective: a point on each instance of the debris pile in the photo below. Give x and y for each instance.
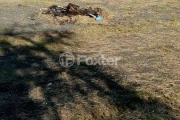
(72, 10)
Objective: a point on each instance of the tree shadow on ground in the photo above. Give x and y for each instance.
(20, 66)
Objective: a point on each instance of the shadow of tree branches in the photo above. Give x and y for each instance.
(20, 66)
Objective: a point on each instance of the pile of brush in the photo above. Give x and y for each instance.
(72, 10)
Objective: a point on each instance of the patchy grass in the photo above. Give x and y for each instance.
(30, 3)
(144, 85)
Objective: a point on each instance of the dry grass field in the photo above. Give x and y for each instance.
(143, 34)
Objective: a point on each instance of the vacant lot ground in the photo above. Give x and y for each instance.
(144, 85)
